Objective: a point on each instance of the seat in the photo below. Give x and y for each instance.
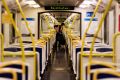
(8, 74)
(12, 49)
(17, 65)
(104, 49)
(96, 66)
(106, 74)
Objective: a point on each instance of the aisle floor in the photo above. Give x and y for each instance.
(60, 69)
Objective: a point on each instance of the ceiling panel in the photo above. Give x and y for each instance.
(12, 4)
(60, 14)
(59, 2)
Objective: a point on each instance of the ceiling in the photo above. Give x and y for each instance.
(59, 15)
(12, 4)
(61, 2)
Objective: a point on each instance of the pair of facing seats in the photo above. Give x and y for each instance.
(14, 70)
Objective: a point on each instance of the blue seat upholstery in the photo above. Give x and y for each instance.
(6, 75)
(10, 76)
(18, 66)
(12, 49)
(104, 49)
(91, 42)
(27, 42)
(84, 49)
(105, 75)
(95, 66)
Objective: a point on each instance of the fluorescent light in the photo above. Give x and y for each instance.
(35, 5)
(84, 6)
(30, 2)
(87, 3)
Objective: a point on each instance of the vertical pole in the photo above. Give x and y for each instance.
(0, 15)
(0, 28)
(119, 23)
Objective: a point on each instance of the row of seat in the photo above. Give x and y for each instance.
(43, 49)
(37, 61)
(101, 52)
(83, 60)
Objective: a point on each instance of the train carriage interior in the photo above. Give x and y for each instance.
(59, 39)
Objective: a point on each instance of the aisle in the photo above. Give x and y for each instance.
(60, 69)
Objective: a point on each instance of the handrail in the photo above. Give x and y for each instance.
(97, 31)
(2, 47)
(17, 31)
(84, 35)
(32, 38)
(114, 45)
(75, 17)
(73, 21)
(46, 18)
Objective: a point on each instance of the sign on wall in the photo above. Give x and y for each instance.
(57, 7)
(89, 15)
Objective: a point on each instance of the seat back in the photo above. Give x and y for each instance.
(17, 65)
(94, 67)
(8, 74)
(106, 75)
